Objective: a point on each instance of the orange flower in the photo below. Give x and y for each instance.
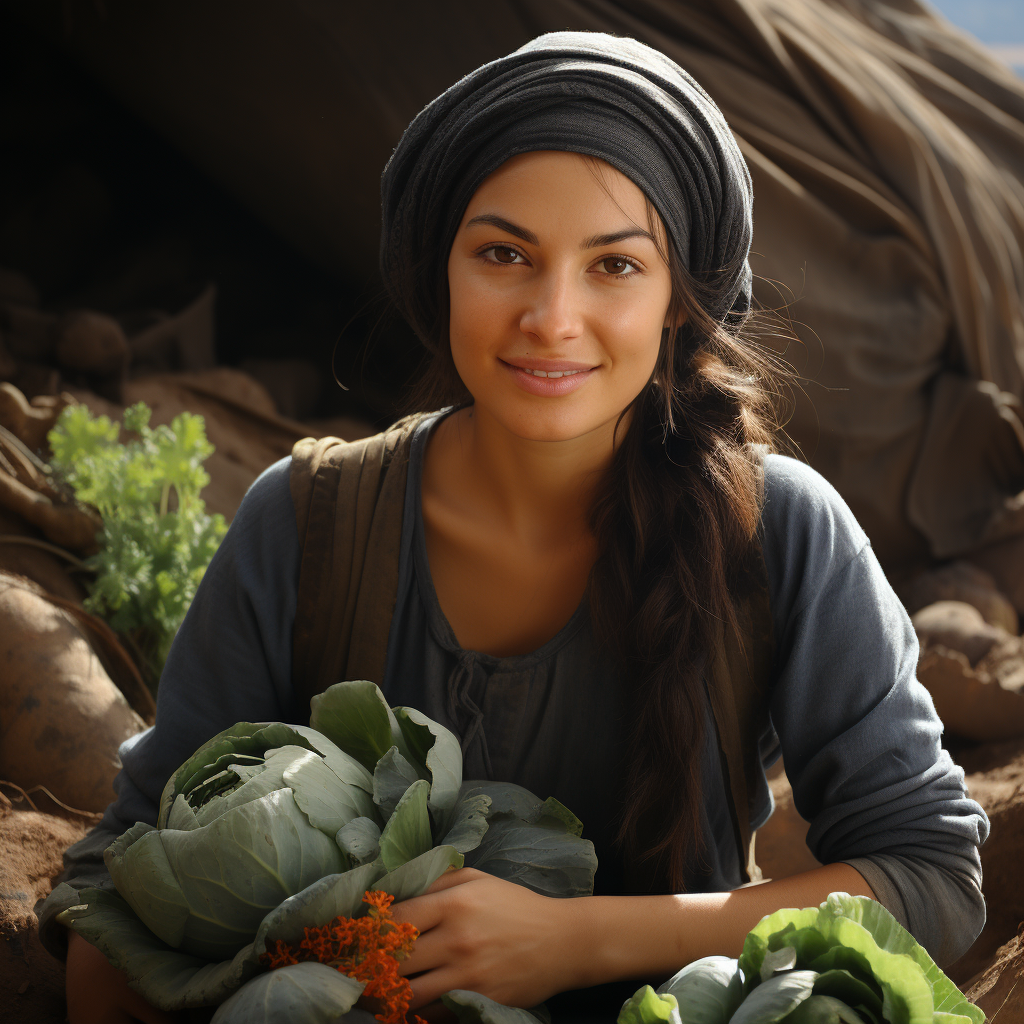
(365, 948)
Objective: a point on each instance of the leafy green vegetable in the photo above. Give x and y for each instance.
(649, 1007)
(270, 828)
(157, 538)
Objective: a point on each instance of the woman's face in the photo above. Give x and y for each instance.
(553, 271)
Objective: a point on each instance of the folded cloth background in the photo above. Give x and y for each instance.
(885, 148)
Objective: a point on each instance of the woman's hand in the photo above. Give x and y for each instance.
(481, 933)
(98, 992)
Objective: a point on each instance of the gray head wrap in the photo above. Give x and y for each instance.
(581, 92)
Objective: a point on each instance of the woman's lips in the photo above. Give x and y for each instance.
(548, 386)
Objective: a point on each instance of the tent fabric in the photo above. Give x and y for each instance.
(887, 156)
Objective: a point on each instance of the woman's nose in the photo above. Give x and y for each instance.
(554, 309)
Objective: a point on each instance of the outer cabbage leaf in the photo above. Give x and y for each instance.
(852, 990)
(891, 936)
(646, 1006)
(355, 716)
(324, 798)
(165, 977)
(709, 990)
(304, 993)
(393, 775)
(906, 994)
(360, 839)
(329, 897)
(775, 998)
(414, 877)
(436, 750)
(756, 944)
(473, 1008)
(824, 1010)
(181, 816)
(532, 842)
(243, 740)
(407, 833)
(228, 874)
(468, 822)
(783, 959)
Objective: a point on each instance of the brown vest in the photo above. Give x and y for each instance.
(349, 499)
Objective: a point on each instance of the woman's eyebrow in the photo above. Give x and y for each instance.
(505, 225)
(596, 241)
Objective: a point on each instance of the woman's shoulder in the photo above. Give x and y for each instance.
(808, 533)
(800, 505)
(269, 492)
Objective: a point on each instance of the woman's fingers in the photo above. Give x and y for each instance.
(428, 952)
(428, 988)
(428, 911)
(450, 878)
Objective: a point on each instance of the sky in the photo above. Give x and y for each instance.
(1000, 23)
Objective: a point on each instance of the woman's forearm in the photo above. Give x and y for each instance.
(646, 936)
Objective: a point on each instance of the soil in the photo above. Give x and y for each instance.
(31, 846)
(999, 988)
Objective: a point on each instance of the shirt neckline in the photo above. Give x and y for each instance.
(437, 621)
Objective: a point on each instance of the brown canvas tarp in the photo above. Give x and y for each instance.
(887, 152)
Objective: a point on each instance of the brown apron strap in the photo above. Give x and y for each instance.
(740, 680)
(349, 498)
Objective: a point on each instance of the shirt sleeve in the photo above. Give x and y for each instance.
(859, 733)
(231, 661)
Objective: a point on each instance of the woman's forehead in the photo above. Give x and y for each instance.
(547, 181)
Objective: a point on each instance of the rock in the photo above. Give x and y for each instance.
(1004, 560)
(184, 341)
(961, 581)
(61, 717)
(294, 384)
(999, 987)
(30, 421)
(959, 627)
(240, 422)
(88, 342)
(22, 557)
(970, 702)
(28, 332)
(31, 847)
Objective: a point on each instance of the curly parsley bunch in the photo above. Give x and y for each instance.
(157, 538)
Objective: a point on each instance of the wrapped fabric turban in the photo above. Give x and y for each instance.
(580, 92)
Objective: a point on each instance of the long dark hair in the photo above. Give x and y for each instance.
(675, 518)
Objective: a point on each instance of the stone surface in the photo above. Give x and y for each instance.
(961, 581)
(958, 626)
(61, 717)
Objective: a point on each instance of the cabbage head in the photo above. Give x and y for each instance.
(269, 828)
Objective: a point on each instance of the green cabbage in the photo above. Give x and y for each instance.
(846, 962)
(270, 828)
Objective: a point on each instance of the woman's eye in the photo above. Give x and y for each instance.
(618, 266)
(503, 254)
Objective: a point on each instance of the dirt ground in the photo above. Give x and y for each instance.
(31, 845)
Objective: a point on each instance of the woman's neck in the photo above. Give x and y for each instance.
(540, 492)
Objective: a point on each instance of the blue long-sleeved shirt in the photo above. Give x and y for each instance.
(859, 733)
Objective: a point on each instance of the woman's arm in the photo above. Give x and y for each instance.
(516, 947)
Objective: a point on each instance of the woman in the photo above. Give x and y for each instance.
(567, 230)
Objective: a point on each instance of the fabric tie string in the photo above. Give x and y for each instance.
(464, 712)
